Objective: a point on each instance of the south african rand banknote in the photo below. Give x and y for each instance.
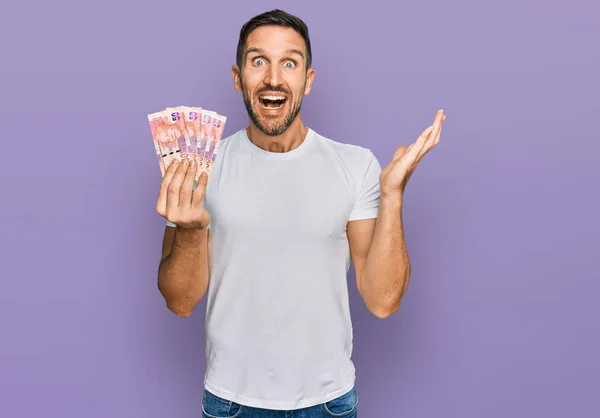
(192, 117)
(168, 132)
(218, 125)
(186, 132)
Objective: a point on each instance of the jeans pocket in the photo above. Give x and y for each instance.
(214, 406)
(342, 406)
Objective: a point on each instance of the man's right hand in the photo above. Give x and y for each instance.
(177, 200)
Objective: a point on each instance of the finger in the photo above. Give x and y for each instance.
(422, 140)
(438, 134)
(427, 138)
(427, 147)
(399, 152)
(161, 203)
(174, 188)
(424, 135)
(414, 150)
(198, 197)
(432, 141)
(437, 138)
(438, 117)
(410, 157)
(433, 136)
(437, 122)
(185, 195)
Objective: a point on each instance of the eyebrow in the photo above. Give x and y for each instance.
(288, 51)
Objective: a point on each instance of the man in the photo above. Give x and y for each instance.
(269, 240)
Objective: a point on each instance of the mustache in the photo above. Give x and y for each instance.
(273, 89)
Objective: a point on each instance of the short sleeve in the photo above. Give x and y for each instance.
(172, 225)
(366, 205)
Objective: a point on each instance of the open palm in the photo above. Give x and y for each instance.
(395, 175)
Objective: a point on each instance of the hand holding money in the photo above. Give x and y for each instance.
(186, 140)
(178, 201)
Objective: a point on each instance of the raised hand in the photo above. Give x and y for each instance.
(395, 175)
(177, 200)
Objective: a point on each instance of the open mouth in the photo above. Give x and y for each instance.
(272, 102)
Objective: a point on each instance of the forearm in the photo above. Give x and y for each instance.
(386, 272)
(183, 274)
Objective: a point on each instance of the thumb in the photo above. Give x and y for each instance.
(400, 151)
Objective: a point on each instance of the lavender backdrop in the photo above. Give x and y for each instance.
(501, 318)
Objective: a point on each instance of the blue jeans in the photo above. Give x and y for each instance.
(344, 406)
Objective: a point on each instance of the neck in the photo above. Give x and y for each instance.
(287, 141)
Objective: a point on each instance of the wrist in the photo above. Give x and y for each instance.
(390, 197)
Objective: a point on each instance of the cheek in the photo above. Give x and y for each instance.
(249, 85)
(298, 86)
(251, 78)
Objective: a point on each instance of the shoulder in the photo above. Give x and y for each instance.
(231, 142)
(354, 158)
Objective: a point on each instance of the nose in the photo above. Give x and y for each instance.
(273, 76)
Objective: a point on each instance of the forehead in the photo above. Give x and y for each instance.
(275, 40)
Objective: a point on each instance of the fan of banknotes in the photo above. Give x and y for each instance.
(187, 132)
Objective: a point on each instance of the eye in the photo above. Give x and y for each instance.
(258, 61)
(290, 64)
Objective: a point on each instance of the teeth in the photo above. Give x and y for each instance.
(273, 97)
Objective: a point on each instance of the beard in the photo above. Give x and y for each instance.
(271, 126)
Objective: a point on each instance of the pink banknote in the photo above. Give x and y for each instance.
(192, 117)
(218, 126)
(186, 132)
(205, 138)
(176, 117)
(169, 141)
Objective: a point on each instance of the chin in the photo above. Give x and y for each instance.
(272, 126)
(275, 124)
(272, 130)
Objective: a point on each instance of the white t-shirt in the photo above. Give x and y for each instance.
(278, 328)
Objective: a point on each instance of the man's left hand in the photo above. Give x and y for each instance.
(395, 175)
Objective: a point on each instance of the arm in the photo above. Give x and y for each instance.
(380, 258)
(183, 269)
(378, 246)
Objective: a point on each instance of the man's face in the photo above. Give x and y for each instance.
(273, 78)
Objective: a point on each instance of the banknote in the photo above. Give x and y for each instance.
(166, 136)
(192, 117)
(190, 132)
(218, 125)
(205, 138)
(176, 118)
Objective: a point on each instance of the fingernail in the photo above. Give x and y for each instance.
(185, 161)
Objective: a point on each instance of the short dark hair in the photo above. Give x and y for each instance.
(274, 17)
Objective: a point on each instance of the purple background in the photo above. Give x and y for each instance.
(501, 318)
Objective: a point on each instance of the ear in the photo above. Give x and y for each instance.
(310, 76)
(235, 72)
